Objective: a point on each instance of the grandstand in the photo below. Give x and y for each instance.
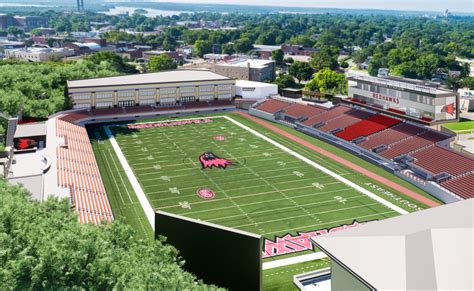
(413, 144)
(78, 171)
(462, 185)
(296, 111)
(345, 119)
(367, 127)
(391, 135)
(272, 106)
(403, 143)
(436, 160)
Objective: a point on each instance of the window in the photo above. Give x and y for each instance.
(225, 88)
(147, 92)
(127, 94)
(81, 96)
(224, 96)
(104, 104)
(167, 91)
(206, 89)
(188, 99)
(103, 95)
(206, 97)
(168, 100)
(147, 101)
(126, 103)
(85, 105)
(187, 90)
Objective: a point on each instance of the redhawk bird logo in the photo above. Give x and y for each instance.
(450, 109)
(25, 143)
(210, 160)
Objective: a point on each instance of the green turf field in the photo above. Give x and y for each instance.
(266, 191)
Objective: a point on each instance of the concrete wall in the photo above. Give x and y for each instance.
(342, 280)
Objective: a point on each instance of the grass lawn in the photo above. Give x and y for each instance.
(282, 278)
(463, 125)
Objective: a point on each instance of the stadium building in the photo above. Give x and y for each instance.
(161, 89)
(415, 100)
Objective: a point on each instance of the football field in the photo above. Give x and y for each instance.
(215, 170)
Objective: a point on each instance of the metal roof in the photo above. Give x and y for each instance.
(176, 76)
(430, 249)
(30, 129)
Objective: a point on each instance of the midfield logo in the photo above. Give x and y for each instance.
(288, 243)
(210, 160)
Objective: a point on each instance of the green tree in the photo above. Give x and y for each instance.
(161, 63)
(325, 58)
(112, 59)
(302, 71)
(285, 81)
(468, 82)
(43, 246)
(328, 82)
(277, 56)
(243, 45)
(202, 47)
(426, 66)
(13, 30)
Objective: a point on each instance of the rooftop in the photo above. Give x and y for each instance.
(430, 249)
(245, 83)
(176, 76)
(245, 63)
(30, 129)
(403, 83)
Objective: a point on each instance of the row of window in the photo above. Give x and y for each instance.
(396, 93)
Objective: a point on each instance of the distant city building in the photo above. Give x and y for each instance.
(172, 54)
(35, 54)
(265, 51)
(298, 50)
(81, 48)
(414, 99)
(26, 22)
(157, 89)
(247, 69)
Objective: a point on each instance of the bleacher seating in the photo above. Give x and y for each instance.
(462, 186)
(345, 120)
(367, 127)
(413, 143)
(272, 106)
(221, 103)
(76, 116)
(78, 171)
(327, 115)
(297, 110)
(391, 135)
(437, 160)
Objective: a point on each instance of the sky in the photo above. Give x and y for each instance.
(417, 5)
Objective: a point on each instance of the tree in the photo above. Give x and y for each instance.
(326, 58)
(277, 56)
(302, 71)
(202, 47)
(13, 30)
(468, 82)
(328, 82)
(285, 81)
(426, 66)
(243, 45)
(45, 247)
(112, 59)
(161, 63)
(376, 62)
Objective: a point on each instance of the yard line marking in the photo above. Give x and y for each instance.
(253, 195)
(326, 223)
(323, 169)
(275, 210)
(293, 217)
(258, 193)
(147, 208)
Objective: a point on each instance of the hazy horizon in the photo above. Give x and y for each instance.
(465, 6)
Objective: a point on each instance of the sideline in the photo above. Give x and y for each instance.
(343, 161)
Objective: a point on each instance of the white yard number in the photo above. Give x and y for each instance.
(232, 133)
(266, 154)
(144, 149)
(174, 190)
(242, 139)
(157, 167)
(150, 157)
(298, 174)
(138, 142)
(340, 199)
(165, 178)
(254, 146)
(282, 164)
(134, 135)
(317, 185)
(185, 204)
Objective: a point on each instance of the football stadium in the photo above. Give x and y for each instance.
(285, 170)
